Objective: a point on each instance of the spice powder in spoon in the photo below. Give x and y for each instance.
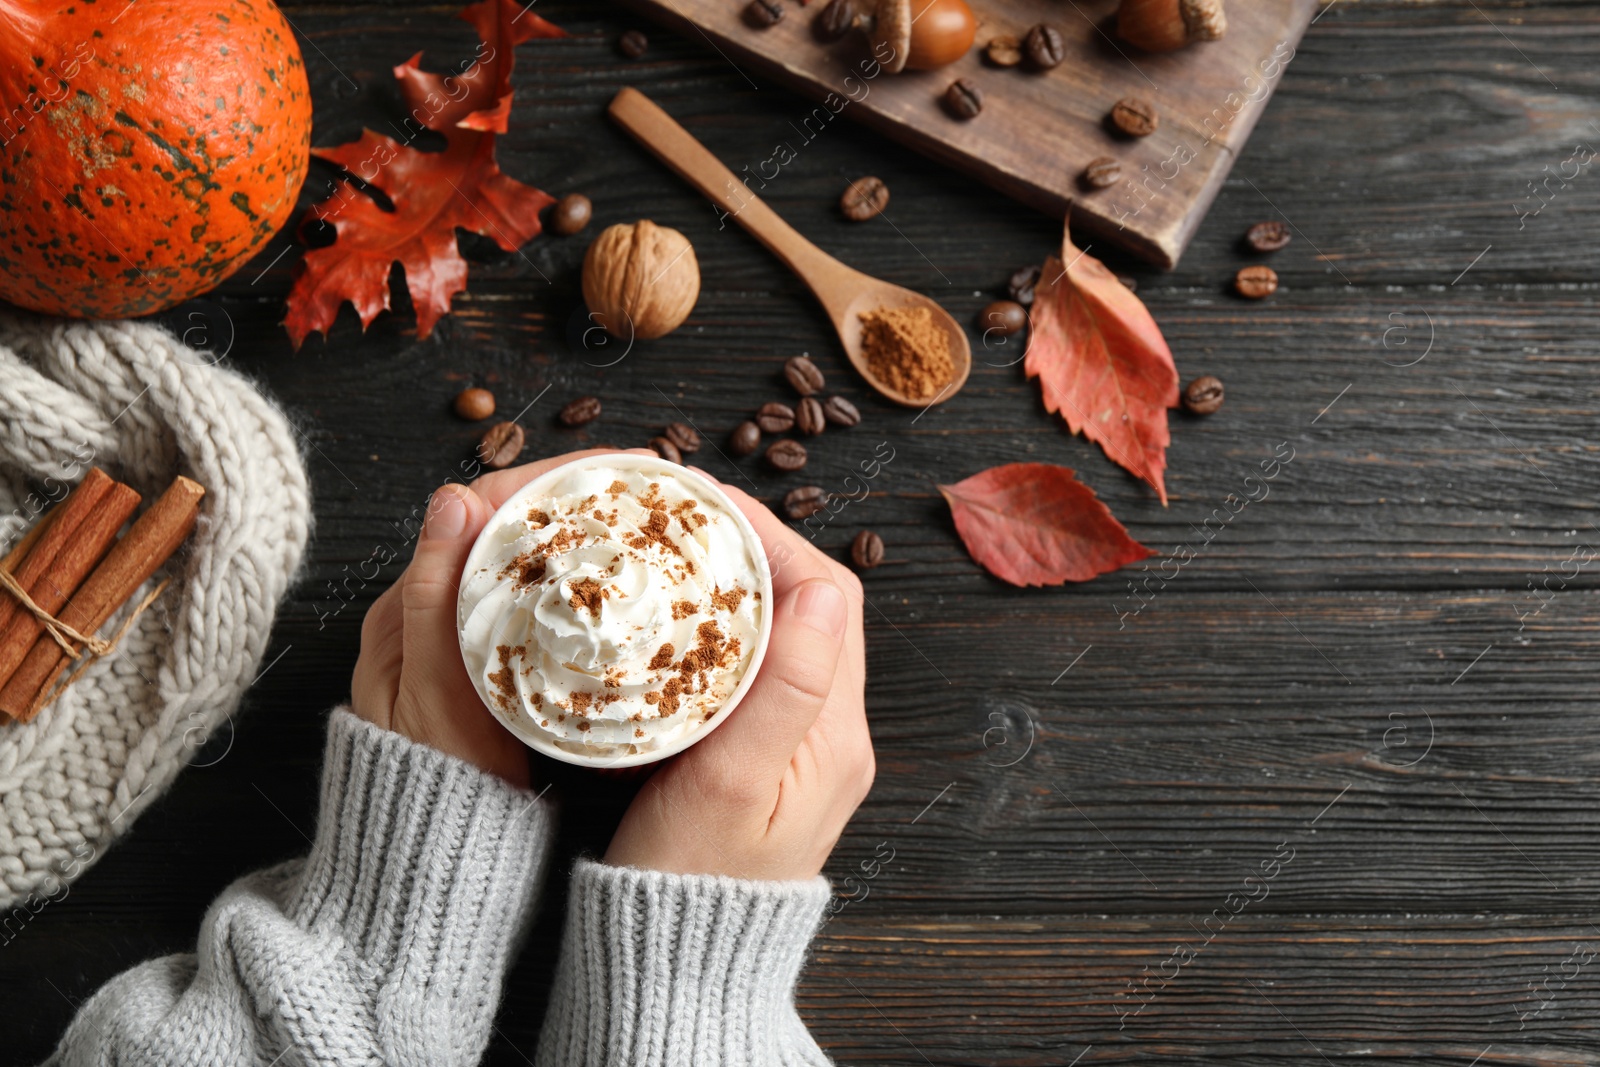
(907, 350)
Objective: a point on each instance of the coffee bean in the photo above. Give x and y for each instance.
(840, 411)
(632, 44)
(666, 450)
(580, 412)
(501, 446)
(805, 377)
(1134, 117)
(809, 417)
(863, 199)
(866, 551)
(835, 20)
(786, 455)
(1203, 395)
(745, 438)
(1256, 282)
(1004, 51)
(571, 214)
(1021, 284)
(1102, 173)
(1004, 317)
(1046, 46)
(963, 99)
(684, 436)
(474, 404)
(804, 502)
(763, 13)
(775, 418)
(1267, 236)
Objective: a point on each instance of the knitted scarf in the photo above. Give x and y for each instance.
(131, 398)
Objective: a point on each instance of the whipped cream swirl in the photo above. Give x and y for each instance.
(614, 611)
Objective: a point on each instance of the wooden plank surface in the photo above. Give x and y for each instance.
(1263, 990)
(1037, 130)
(1356, 667)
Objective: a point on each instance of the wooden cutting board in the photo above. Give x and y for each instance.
(1037, 131)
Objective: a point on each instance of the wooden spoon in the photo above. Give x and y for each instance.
(845, 293)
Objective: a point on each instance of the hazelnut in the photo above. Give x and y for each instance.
(640, 280)
(474, 404)
(935, 34)
(1168, 25)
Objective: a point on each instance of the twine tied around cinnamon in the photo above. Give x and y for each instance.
(65, 635)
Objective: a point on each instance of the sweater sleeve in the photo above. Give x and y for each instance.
(388, 944)
(665, 969)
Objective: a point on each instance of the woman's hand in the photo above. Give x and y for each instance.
(767, 794)
(409, 677)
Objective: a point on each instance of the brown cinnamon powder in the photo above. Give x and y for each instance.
(654, 532)
(706, 653)
(525, 570)
(504, 680)
(729, 600)
(666, 699)
(907, 350)
(688, 518)
(587, 594)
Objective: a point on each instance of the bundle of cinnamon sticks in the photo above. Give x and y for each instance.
(71, 572)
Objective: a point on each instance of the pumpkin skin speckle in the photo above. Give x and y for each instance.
(145, 156)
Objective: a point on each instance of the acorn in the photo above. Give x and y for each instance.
(1168, 25)
(936, 35)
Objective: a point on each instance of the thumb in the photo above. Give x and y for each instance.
(762, 733)
(432, 673)
(436, 702)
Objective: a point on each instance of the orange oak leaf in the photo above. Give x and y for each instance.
(1102, 363)
(1036, 524)
(432, 193)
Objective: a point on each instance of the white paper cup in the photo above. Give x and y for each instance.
(527, 497)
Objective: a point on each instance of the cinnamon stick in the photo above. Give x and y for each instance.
(152, 539)
(66, 518)
(25, 543)
(77, 558)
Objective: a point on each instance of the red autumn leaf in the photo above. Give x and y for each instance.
(1102, 363)
(1036, 524)
(480, 98)
(433, 193)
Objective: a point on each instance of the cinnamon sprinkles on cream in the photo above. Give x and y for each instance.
(616, 614)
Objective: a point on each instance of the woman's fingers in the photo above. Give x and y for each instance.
(757, 742)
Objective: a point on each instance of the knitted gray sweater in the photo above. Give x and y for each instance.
(389, 943)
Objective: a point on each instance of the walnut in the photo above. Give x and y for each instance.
(640, 280)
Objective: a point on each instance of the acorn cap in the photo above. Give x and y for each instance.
(891, 25)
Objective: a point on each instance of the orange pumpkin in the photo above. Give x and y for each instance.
(148, 148)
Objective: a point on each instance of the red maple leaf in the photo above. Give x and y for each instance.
(433, 193)
(1102, 363)
(1036, 524)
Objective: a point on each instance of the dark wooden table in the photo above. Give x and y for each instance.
(1384, 670)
